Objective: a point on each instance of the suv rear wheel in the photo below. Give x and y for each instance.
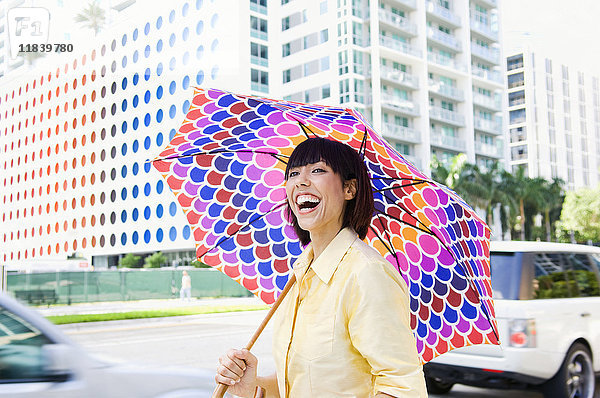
(437, 386)
(576, 378)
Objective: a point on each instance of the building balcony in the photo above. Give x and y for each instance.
(488, 3)
(487, 102)
(442, 13)
(259, 61)
(360, 12)
(445, 61)
(494, 151)
(445, 141)
(516, 102)
(446, 90)
(514, 65)
(490, 75)
(360, 41)
(263, 88)
(399, 77)
(446, 116)
(486, 125)
(397, 22)
(515, 84)
(412, 4)
(399, 104)
(487, 54)
(400, 46)
(444, 39)
(401, 133)
(257, 34)
(258, 8)
(483, 30)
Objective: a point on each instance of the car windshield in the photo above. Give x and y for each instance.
(506, 271)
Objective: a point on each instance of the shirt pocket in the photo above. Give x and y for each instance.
(314, 336)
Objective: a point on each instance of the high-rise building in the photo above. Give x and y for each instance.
(553, 119)
(78, 128)
(428, 74)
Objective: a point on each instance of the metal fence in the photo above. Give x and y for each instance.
(123, 285)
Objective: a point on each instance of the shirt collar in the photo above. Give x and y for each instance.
(326, 264)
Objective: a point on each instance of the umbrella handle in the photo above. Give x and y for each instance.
(222, 388)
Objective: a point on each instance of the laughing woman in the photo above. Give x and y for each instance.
(343, 329)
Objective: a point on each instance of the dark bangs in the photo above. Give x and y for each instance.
(346, 163)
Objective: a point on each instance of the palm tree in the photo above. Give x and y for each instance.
(485, 189)
(553, 198)
(526, 191)
(93, 16)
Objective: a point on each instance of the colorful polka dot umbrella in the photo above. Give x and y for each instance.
(226, 167)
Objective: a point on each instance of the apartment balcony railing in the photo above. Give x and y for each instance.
(516, 101)
(445, 39)
(516, 120)
(445, 61)
(400, 104)
(494, 151)
(446, 115)
(258, 60)
(439, 139)
(258, 8)
(401, 133)
(513, 66)
(399, 46)
(446, 90)
(487, 102)
(487, 54)
(491, 75)
(518, 156)
(360, 12)
(518, 83)
(412, 4)
(360, 41)
(398, 22)
(258, 34)
(484, 29)
(489, 3)
(486, 125)
(399, 77)
(443, 13)
(263, 88)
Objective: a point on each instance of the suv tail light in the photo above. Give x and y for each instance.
(522, 333)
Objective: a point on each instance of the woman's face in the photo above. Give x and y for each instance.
(317, 197)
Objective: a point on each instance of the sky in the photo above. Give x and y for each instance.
(568, 31)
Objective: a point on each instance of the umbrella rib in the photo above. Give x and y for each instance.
(363, 144)
(390, 248)
(222, 240)
(401, 179)
(277, 156)
(398, 186)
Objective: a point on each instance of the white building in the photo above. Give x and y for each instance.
(428, 74)
(554, 120)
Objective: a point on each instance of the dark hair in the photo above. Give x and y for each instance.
(345, 162)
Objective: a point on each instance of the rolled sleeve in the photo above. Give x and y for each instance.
(379, 328)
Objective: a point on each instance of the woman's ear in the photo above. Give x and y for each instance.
(350, 188)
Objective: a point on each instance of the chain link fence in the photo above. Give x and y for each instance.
(124, 285)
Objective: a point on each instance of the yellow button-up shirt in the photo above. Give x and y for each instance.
(343, 330)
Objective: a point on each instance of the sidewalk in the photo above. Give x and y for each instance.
(142, 305)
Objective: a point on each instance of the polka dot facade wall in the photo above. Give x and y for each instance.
(77, 131)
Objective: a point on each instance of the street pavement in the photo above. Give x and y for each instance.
(194, 341)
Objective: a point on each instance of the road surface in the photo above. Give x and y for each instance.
(197, 342)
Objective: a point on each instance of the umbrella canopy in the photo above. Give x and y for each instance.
(226, 167)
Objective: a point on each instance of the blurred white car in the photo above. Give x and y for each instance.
(547, 301)
(38, 360)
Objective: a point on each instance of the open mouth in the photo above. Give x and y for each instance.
(306, 203)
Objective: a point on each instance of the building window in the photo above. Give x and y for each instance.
(285, 50)
(258, 28)
(260, 80)
(285, 23)
(323, 7)
(287, 76)
(259, 54)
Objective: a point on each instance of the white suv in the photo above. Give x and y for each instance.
(547, 301)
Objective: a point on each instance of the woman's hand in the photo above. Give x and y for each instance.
(237, 369)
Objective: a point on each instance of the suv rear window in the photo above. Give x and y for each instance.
(564, 275)
(506, 275)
